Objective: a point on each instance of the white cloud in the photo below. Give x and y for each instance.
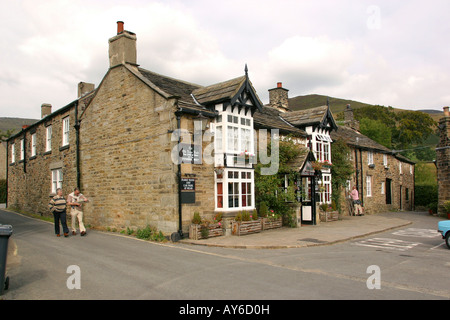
(312, 47)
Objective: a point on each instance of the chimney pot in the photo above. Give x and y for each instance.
(25, 126)
(279, 85)
(122, 47)
(119, 27)
(446, 112)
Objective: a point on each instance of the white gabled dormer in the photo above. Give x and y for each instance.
(235, 101)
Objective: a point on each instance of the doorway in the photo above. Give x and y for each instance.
(388, 191)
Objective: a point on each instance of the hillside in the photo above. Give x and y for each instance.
(14, 123)
(338, 105)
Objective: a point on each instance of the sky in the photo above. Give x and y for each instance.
(391, 53)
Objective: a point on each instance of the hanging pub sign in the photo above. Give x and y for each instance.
(190, 153)
(187, 190)
(308, 169)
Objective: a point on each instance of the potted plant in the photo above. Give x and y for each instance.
(219, 172)
(246, 222)
(272, 221)
(432, 208)
(269, 219)
(203, 229)
(326, 213)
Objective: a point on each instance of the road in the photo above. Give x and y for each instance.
(412, 262)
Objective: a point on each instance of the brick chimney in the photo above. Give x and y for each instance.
(446, 112)
(122, 47)
(46, 109)
(278, 98)
(349, 120)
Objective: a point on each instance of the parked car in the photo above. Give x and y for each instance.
(444, 229)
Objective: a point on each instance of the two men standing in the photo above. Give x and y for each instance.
(58, 206)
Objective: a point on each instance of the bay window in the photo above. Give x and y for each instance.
(235, 190)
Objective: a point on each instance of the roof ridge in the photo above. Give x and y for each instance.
(171, 78)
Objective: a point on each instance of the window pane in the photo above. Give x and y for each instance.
(219, 195)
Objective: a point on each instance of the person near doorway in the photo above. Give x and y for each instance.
(57, 206)
(356, 202)
(75, 201)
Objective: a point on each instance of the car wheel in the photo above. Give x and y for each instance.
(447, 239)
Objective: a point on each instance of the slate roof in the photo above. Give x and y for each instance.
(170, 85)
(306, 117)
(219, 91)
(270, 118)
(357, 139)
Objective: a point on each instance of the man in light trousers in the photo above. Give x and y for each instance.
(75, 201)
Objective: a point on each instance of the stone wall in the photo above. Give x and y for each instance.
(402, 184)
(30, 180)
(443, 161)
(126, 167)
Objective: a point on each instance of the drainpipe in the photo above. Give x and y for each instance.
(180, 212)
(361, 194)
(77, 143)
(7, 169)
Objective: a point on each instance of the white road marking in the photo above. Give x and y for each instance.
(387, 243)
(415, 232)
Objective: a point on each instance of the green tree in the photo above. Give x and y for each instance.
(268, 187)
(413, 127)
(341, 170)
(377, 131)
(6, 135)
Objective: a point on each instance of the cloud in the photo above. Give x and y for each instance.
(321, 47)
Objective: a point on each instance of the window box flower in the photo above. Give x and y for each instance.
(246, 223)
(272, 221)
(202, 229)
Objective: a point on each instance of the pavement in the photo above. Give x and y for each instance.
(324, 233)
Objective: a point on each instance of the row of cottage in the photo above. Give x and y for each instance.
(150, 149)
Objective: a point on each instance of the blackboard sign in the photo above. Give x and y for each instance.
(187, 190)
(190, 153)
(187, 184)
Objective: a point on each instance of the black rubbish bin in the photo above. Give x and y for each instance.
(5, 233)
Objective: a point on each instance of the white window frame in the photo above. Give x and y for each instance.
(325, 196)
(48, 138)
(326, 151)
(240, 138)
(22, 149)
(383, 187)
(369, 157)
(33, 145)
(237, 177)
(385, 160)
(13, 152)
(57, 179)
(66, 130)
(400, 170)
(368, 186)
(410, 169)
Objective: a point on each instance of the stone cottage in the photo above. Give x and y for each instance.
(147, 149)
(384, 179)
